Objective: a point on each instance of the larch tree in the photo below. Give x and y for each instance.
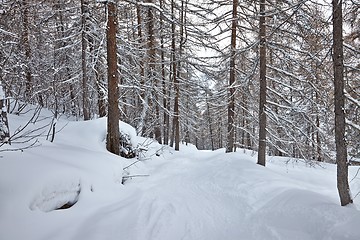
(231, 88)
(27, 48)
(339, 98)
(85, 94)
(176, 122)
(262, 101)
(113, 134)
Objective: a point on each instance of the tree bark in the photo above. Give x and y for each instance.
(27, 50)
(113, 135)
(176, 124)
(166, 121)
(85, 94)
(231, 91)
(210, 123)
(339, 98)
(262, 102)
(152, 61)
(4, 130)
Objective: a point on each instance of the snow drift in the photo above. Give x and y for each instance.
(189, 194)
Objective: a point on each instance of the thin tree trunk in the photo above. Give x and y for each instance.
(164, 87)
(262, 114)
(85, 94)
(339, 97)
(100, 92)
(210, 125)
(113, 134)
(318, 141)
(231, 103)
(176, 125)
(5, 133)
(27, 50)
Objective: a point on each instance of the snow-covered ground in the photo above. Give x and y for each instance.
(189, 194)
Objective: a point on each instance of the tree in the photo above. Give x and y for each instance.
(176, 122)
(231, 91)
(4, 125)
(113, 134)
(85, 97)
(27, 49)
(262, 101)
(339, 98)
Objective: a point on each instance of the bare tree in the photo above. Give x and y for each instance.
(339, 98)
(27, 48)
(231, 91)
(176, 122)
(262, 114)
(84, 13)
(113, 134)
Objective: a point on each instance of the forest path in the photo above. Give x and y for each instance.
(189, 195)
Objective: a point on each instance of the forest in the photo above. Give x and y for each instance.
(183, 64)
(275, 79)
(189, 70)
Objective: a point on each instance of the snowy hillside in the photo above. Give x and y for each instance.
(189, 194)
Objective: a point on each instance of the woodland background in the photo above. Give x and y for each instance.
(175, 59)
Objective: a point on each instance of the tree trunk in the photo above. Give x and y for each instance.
(210, 124)
(85, 94)
(339, 97)
(27, 50)
(262, 114)
(152, 76)
(176, 125)
(113, 135)
(164, 85)
(100, 92)
(4, 124)
(231, 103)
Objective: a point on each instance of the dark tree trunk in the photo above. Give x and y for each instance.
(231, 91)
(164, 85)
(85, 94)
(339, 97)
(210, 125)
(262, 102)
(113, 135)
(27, 50)
(176, 125)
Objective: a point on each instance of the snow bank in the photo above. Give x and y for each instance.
(189, 194)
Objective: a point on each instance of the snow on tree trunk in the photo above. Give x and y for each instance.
(4, 124)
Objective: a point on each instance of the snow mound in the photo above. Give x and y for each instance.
(57, 196)
(188, 195)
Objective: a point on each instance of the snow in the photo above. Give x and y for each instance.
(189, 194)
(2, 93)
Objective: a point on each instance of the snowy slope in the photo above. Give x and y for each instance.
(189, 194)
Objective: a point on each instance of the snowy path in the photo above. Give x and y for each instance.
(199, 195)
(182, 199)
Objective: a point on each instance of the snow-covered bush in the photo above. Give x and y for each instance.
(126, 148)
